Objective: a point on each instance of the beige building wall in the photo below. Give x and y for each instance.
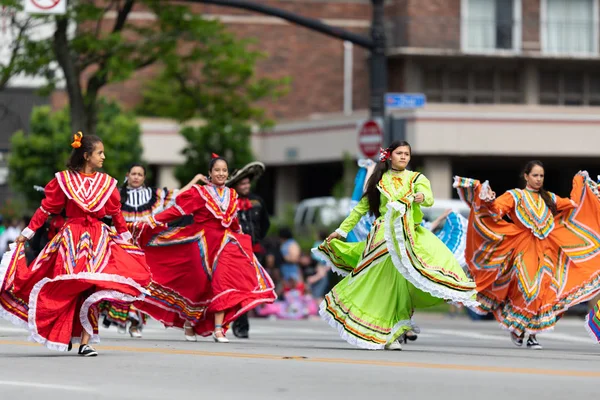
(437, 132)
(439, 172)
(286, 188)
(505, 130)
(310, 141)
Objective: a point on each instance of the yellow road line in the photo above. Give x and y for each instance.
(381, 363)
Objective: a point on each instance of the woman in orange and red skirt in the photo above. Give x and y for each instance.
(205, 274)
(55, 298)
(532, 254)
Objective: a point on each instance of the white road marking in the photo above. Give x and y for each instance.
(46, 386)
(502, 336)
(566, 338)
(321, 330)
(466, 334)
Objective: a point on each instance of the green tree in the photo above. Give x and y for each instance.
(212, 79)
(98, 43)
(225, 138)
(35, 157)
(12, 210)
(15, 29)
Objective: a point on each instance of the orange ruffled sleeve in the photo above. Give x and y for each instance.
(501, 206)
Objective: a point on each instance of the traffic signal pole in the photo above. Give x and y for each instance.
(375, 42)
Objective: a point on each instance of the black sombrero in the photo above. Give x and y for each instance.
(253, 171)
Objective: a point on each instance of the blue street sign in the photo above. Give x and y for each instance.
(402, 101)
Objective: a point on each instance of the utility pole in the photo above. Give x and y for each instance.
(375, 42)
(378, 62)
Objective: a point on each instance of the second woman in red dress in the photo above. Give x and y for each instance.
(205, 274)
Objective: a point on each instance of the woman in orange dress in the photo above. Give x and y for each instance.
(55, 298)
(532, 254)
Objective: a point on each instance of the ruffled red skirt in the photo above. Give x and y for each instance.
(55, 298)
(187, 287)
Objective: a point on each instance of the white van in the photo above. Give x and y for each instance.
(325, 211)
(321, 211)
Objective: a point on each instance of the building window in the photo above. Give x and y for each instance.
(475, 86)
(569, 88)
(569, 26)
(594, 89)
(490, 25)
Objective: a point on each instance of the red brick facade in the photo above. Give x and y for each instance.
(313, 61)
(531, 25)
(437, 24)
(434, 23)
(424, 23)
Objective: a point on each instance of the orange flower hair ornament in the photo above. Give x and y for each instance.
(77, 140)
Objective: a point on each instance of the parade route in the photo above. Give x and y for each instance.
(452, 358)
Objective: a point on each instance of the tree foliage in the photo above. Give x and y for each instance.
(98, 43)
(38, 155)
(14, 30)
(207, 72)
(212, 79)
(213, 74)
(225, 138)
(20, 44)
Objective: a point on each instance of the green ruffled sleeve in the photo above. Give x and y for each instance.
(422, 185)
(355, 215)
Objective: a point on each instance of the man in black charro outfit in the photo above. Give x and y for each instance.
(254, 221)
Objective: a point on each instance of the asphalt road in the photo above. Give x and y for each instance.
(452, 359)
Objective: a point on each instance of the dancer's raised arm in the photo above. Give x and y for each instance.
(351, 220)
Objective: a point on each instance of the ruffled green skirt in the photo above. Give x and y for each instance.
(399, 268)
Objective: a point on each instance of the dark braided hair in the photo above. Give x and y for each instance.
(77, 160)
(543, 193)
(371, 192)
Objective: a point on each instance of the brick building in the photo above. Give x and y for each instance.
(505, 80)
(455, 51)
(314, 62)
(497, 51)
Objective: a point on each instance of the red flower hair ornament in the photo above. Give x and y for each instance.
(215, 155)
(384, 155)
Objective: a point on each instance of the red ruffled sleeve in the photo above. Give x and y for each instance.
(53, 203)
(113, 208)
(185, 203)
(235, 225)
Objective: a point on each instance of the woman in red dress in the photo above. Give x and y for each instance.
(205, 275)
(55, 297)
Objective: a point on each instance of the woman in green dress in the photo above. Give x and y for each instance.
(400, 267)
